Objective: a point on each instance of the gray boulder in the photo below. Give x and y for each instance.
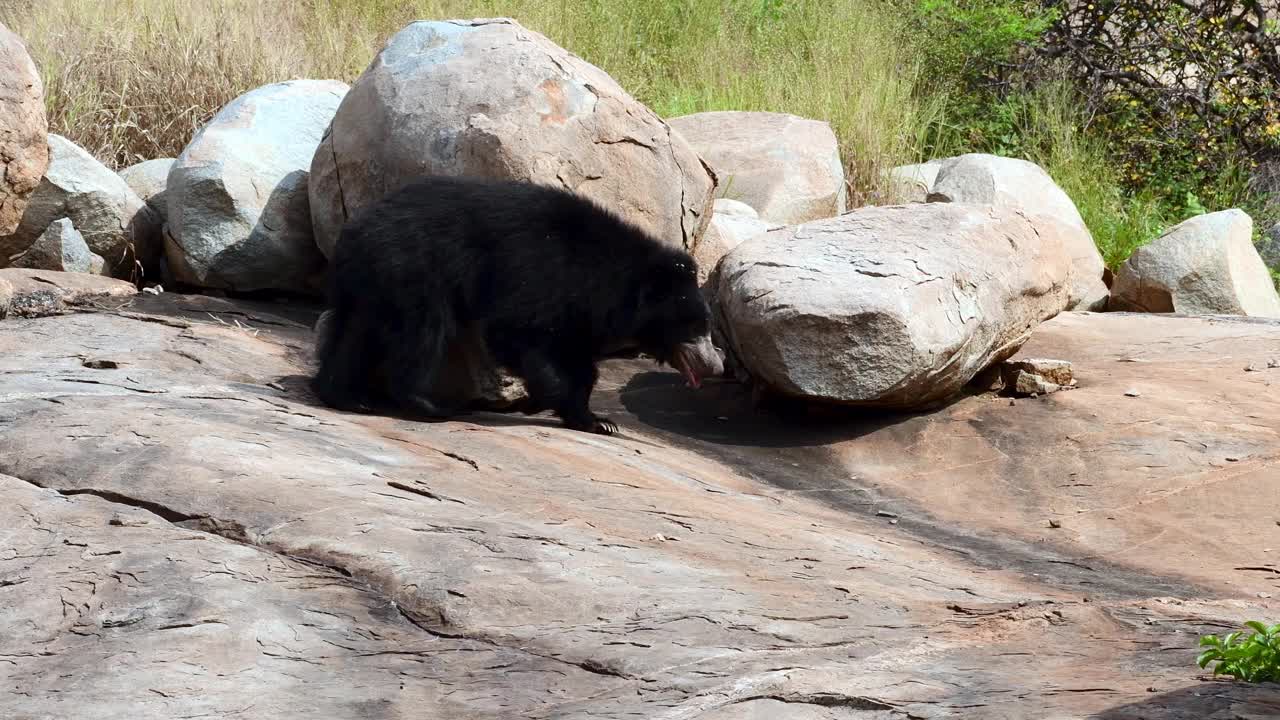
(913, 183)
(24, 152)
(101, 206)
(732, 224)
(60, 247)
(238, 216)
(1206, 265)
(894, 306)
(788, 168)
(149, 179)
(1022, 185)
(491, 98)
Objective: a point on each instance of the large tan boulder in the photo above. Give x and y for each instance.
(99, 204)
(491, 98)
(788, 168)
(238, 215)
(24, 153)
(1022, 185)
(894, 306)
(1205, 265)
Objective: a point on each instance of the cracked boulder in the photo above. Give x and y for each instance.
(1206, 265)
(889, 306)
(491, 98)
(786, 167)
(101, 206)
(237, 211)
(24, 152)
(1022, 185)
(60, 247)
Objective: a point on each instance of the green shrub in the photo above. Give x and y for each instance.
(1252, 659)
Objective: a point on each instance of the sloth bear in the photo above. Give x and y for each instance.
(549, 282)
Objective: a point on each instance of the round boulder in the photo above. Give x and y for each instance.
(894, 307)
(1203, 266)
(96, 201)
(238, 217)
(490, 98)
(788, 168)
(24, 151)
(1022, 185)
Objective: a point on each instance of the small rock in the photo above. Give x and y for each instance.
(60, 247)
(1132, 393)
(1264, 595)
(886, 514)
(1055, 524)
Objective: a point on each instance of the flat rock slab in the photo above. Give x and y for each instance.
(187, 532)
(36, 293)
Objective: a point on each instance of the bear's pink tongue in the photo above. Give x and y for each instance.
(682, 364)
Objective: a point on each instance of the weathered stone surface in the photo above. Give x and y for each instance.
(100, 205)
(1204, 265)
(788, 168)
(1036, 376)
(913, 183)
(724, 233)
(1022, 185)
(149, 179)
(889, 306)
(238, 216)
(258, 555)
(61, 247)
(36, 293)
(491, 98)
(24, 151)
(734, 208)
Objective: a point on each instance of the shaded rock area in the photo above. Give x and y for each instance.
(786, 167)
(60, 247)
(1205, 265)
(491, 98)
(895, 306)
(238, 216)
(97, 201)
(149, 179)
(188, 533)
(24, 150)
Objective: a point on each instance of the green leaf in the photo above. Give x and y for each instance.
(1206, 657)
(1257, 626)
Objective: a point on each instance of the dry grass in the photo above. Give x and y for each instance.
(134, 79)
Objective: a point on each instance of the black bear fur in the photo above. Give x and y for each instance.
(553, 282)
